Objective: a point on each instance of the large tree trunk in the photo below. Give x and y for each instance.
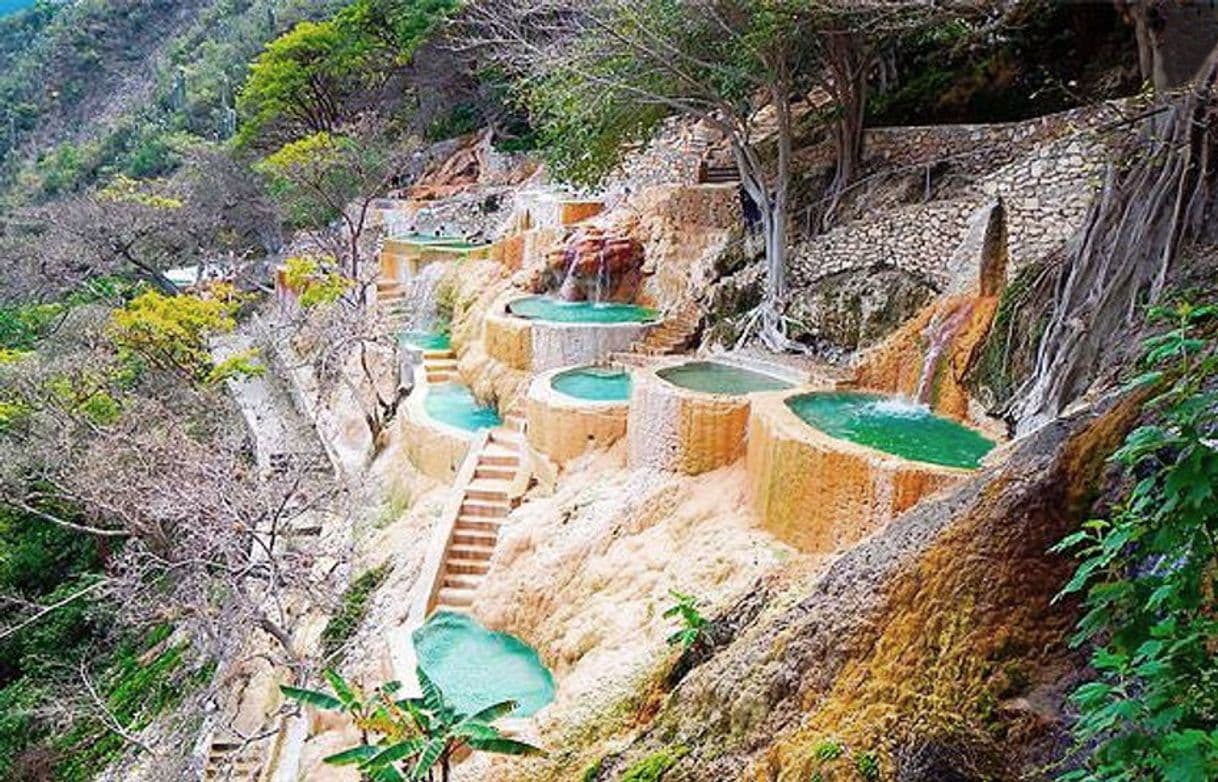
(1162, 196)
(848, 61)
(772, 199)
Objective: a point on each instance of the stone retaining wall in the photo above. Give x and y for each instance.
(1046, 196)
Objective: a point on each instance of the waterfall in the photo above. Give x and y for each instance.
(421, 309)
(939, 334)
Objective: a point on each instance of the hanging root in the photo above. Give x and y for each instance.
(769, 327)
(1119, 262)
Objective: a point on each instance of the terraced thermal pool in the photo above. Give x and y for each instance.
(453, 242)
(559, 311)
(425, 340)
(892, 425)
(712, 377)
(476, 668)
(595, 384)
(455, 405)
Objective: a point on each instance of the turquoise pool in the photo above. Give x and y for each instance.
(892, 425)
(425, 340)
(455, 242)
(595, 384)
(455, 405)
(476, 668)
(559, 311)
(711, 377)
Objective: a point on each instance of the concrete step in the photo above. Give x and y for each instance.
(499, 456)
(484, 509)
(491, 472)
(450, 598)
(462, 581)
(475, 537)
(487, 489)
(439, 355)
(514, 422)
(440, 363)
(473, 567)
(477, 552)
(513, 440)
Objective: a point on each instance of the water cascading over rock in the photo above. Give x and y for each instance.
(592, 265)
(925, 360)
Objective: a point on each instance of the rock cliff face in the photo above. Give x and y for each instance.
(933, 647)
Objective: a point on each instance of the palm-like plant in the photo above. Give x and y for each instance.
(417, 736)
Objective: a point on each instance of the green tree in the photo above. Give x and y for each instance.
(326, 176)
(594, 73)
(416, 737)
(321, 75)
(1149, 576)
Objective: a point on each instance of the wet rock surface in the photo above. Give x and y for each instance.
(857, 308)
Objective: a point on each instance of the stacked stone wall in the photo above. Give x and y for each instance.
(1046, 194)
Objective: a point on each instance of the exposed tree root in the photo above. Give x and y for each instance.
(1161, 196)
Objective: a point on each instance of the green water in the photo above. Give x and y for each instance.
(453, 404)
(425, 340)
(559, 311)
(476, 668)
(596, 384)
(892, 425)
(711, 377)
(448, 242)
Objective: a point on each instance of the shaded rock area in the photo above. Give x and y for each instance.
(592, 265)
(933, 646)
(856, 309)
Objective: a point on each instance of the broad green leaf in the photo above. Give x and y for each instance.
(351, 756)
(313, 698)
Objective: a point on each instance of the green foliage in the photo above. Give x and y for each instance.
(315, 177)
(693, 624)
(242, 364)
(351, 612)
(171, 332)
(316, 76)
(22, 326)
(414, 735)
(867, 766)
(1148, 573)
(312, 282)
(653, 767)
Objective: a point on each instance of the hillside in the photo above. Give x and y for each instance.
(609, 391)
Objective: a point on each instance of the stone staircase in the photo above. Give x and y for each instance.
(486, 500)
(672, 335)
(440, 366)
(713, 173)
(391, 296)
(230, 760)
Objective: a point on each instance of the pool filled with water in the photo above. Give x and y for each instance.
(892, 425)
(595, 384)
(711, 377)
(559, 311)
(476, 668)
(453, 242)
(455, 405)
(426, 340)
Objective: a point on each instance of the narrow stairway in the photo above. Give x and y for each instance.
(233, 761)
(672, 335)
(391, 297)
(440, 365)
(486, 502)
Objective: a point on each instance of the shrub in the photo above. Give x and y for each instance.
(653, 767)
(351, 612)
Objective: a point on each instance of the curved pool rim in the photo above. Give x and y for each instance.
(773, 382)
(512, 657)
(561, 382)
(643, 315)
(792, 400)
